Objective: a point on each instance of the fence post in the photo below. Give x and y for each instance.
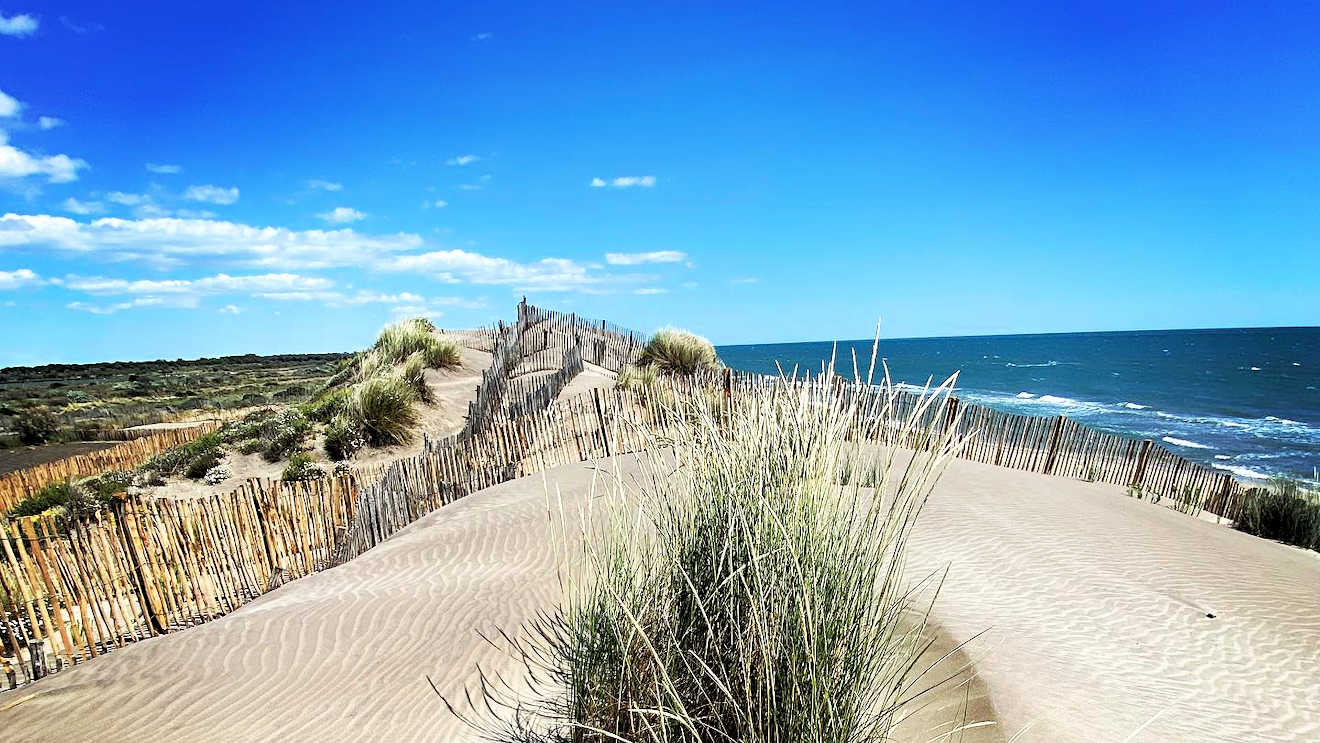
(128, 536)
(1054, 445)
(1140, 471)
(600, 416)
(728, 383)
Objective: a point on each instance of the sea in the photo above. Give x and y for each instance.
(1243, 400)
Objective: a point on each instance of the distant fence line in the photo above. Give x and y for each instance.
(19, 484)
(155, 565)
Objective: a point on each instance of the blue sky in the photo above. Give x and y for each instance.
(181, 181)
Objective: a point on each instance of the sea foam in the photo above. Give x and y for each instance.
(1184, 443)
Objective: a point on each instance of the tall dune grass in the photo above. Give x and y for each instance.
(740, 591)
(402, 339)
(1284, 511)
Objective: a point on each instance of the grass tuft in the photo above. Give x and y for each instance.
(1283, 511)
(740, 592)
(674, 351)
(382, 410)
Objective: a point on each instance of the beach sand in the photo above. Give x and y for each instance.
(1092, 607)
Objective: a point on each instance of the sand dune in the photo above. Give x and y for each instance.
(1095, 604)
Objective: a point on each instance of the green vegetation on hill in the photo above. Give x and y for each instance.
(86, 401)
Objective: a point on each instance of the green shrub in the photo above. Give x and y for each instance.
(36, 426)
(284, 434)
(63, 497)
(325, 406)
(302, 467)
(192, 459)
(674, 351)
(1282, 511)
(382, 409)
(343, 437)
(54, 495)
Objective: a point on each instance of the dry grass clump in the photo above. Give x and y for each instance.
(739, 592)
(674, 351)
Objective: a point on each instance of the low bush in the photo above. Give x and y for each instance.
(343, 437)
(636, 378)
(64, 497)
(191, 460)
(36, 426)
(1282, 511)
(274, 434)
(674, 351)
(302, 467)
(325, 406)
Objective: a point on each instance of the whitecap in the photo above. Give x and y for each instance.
(1283, 421)
(1296, 364)
(1134, 406)
(1241, 471)
(1184, 443)
(1255, 368)
(1025, 395)
(1031, 366)
(1056, 400)
(1222, 456)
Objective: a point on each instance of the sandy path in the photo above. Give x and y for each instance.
(1095, 605)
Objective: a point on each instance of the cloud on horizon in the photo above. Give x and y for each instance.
(655, 256)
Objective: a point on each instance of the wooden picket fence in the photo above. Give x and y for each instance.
(17, 485)
(73, 589)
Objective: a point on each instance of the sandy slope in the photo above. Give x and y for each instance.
(1095, 605)
(453, 389)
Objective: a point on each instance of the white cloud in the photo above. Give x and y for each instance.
(110, 309)
(19, 278)
(317, 183)
(83, 207)
(342, 215)
(18, 25)
(462, 160)
(469, 187)
(339, 298)
(230, 309)
(127, 199)
(15, 163)
(169, 241)
(483, 36)
(650, 290)
(626, 181)
(546, 274)
(49, 122)
(689, 285)
(744, 280)
(440, 203)
(9, 105)
(217, 284)
(164, 168)
(211, 194)
(655, 256)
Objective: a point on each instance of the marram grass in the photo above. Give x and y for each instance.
(739, 591)
(674, 351)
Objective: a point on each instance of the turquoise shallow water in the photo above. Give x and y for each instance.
(1244, 400)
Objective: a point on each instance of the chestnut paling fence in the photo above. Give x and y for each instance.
(19, 484)
(73, 589)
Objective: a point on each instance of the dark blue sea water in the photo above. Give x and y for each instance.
(1244, 400)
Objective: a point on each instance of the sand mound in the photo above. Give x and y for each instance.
(1095, 605)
